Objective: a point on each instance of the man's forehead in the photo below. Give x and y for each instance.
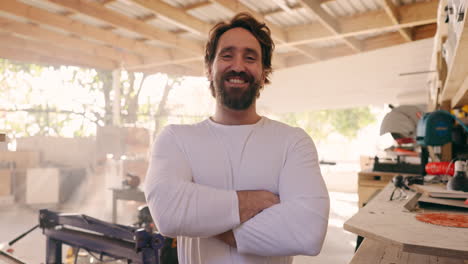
(239, 39)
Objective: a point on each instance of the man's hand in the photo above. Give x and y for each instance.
(228, 238)
(250, 204)
(253, 202)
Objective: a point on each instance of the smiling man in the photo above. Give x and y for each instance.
(238, 187)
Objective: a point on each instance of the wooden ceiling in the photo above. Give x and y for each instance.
(168, 36)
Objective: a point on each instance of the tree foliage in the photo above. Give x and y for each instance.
(20, 94)
(320, 124)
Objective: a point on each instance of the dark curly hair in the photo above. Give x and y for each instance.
(246, 21)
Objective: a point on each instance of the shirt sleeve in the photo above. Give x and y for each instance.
(298, 224)
(179, 206)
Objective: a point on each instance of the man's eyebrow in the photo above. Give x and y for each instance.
(249, 50)
(227, 49)
(231, 48)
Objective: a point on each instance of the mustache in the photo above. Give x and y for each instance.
(242, 75)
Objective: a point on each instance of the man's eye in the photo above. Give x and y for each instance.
(226, 56)
(250, 58)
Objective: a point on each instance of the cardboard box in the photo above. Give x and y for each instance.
(3, 142)
(58, 151)
(20, 159)
(5, 182)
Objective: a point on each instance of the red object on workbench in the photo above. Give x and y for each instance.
(444, 219)
(440, 168)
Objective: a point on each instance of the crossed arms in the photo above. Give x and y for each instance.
(256, 222)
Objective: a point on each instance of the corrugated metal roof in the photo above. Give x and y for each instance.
(189, 35)
(293, 18)
(260, 6)
(212, 13)
(127, 33)
(89, 20)
(292, 15)
(128, 8)
(163, 24)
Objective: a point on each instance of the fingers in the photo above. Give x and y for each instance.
(253, 202)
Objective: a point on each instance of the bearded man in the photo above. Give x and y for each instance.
(238, 187)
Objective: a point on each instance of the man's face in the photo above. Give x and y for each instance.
(237, 71)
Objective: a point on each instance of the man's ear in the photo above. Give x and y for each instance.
(209, 73)
(263, 78)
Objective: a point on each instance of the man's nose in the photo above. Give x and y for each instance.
(238, 64)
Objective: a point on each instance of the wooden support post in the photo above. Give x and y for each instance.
(116, 102)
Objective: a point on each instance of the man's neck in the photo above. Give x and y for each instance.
(226, 116)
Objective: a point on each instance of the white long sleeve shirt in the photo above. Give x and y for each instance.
(195, 171)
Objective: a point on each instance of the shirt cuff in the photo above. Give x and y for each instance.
(235, 209)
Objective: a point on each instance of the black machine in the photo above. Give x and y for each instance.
(93, 235)
(104, 241)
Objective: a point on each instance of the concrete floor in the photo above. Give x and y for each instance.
(15, 219)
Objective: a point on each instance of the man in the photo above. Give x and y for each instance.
(238, 187)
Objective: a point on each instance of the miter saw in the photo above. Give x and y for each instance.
(401, 123)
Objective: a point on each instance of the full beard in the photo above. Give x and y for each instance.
(236, 98)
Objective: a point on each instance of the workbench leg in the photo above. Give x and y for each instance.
(358, 242)
(53, 251)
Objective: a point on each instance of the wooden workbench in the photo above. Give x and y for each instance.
(390, 223)
(375, 252)
(370, 182)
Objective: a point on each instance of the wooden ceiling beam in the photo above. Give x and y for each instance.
(330, 23)
(175, 69)
(102, 2)
(291, 7)
(97, 11)
(16, 49)
(386, 40)
(154, 63)
(106, 2)
(177, 16)
(45, 35)
(281, 10)
(411, 15)
(147, 17)
(392, 12)
(196, 5)
(373, 43)
(125, 45)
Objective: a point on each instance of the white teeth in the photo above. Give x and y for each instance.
(236, 81)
